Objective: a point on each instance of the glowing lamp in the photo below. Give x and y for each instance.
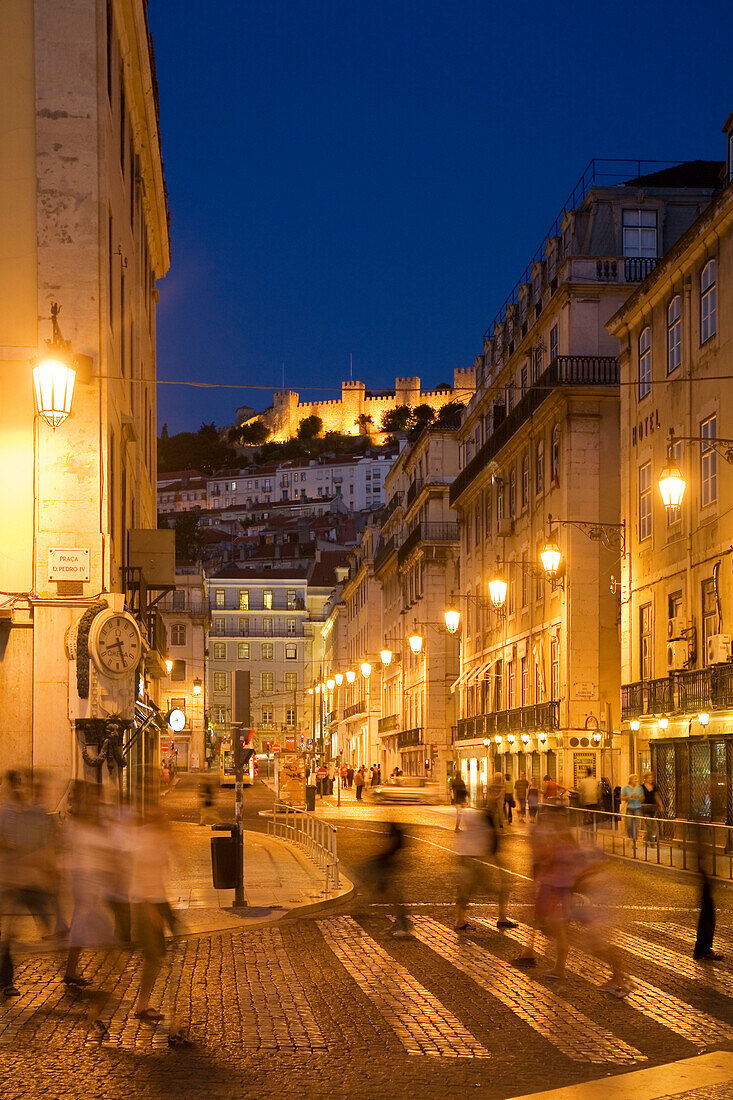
(330, 684)
(703, 719)
(366, 669)
(169, 667)
(498, 739)
(386, 657)
(415, 642)
(663, 723)
(310, 691)
(452, 620)
(497, 592)
(635, 724)
(318, 689)
(53, 381)
(197, 687)
(350, 676)
(550, 556)
(339, 678)
(672, 486)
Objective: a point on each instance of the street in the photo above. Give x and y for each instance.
(330, 1004)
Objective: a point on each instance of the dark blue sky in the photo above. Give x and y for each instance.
(371, 177)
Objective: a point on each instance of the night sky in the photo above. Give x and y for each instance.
(371, 178)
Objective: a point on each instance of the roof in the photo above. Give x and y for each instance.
(234, 572)
(323, 574)
(692, 173)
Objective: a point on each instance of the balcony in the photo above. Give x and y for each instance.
(540, 716)
(636, 268)
(408, 738)
(427, 532)
(421, 483)
(355, 708)
(392, 504)
(384, 552)
(388, 724)
(682, 693)
(565, 370)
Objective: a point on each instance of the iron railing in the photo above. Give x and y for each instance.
(539, 716)
(688, 691)
(408, 738)
(391, 505)
(388, 724)
(565, 370)
(427, 532)
(315, 837)
(355, 708)
(384, 552)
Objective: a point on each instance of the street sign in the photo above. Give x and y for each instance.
(70, 564)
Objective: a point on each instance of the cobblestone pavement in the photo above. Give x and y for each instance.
(333, 1005)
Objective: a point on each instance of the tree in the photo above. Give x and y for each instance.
(310, 427)
(203, 450)
(254, 434)
(188, 538)
(364, 423)
(450, 411)
(397, 420)
(422, 415)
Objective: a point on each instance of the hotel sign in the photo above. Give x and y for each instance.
(646, 427)
(68, 564)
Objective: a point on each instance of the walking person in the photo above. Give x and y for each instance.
(478, 844)
(350, 776)
(533, 800)
(508, 798)
(632, 797)
(651, 807)
(459, 795)
(588, 796)
(520, 793)
(359, 782)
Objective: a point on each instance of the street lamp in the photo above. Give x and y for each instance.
(339, 678)
(672, 485)
(386, 656)
(366, 669)
(635, 725)
(330, 684)
(350, 676)
(197, 687)
(663, 723)
(169, 666)
(54, 376)
(703, 719)
(497, 591)
(452, 619)
(310, 691)
(550, 556)
(318, 689)
(415, 642)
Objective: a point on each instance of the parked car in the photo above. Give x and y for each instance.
(407, 788)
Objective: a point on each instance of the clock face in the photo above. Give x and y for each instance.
(176, 720)
(117, 648)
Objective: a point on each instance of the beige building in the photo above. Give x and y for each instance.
(343, 415)
(417, 569)
(361, 639)
(676, 337)
(185, 612)
(539, 679)
(83, 224)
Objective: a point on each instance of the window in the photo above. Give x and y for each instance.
(292, 599)
(477, 523)
(220, 651)
(267, 626)
(554, 669)
(498, 678)
(512, 493)
(525, 580)
(468, 533)
(177, 703)
(219, 598)
(645, 501)
(645, 362)
(640, 233)
(244, 599)
(178, 634)
(555, 456)
(488, 514)
(243, 627)
(645, 642)
(290, 717)
(708, 302)
(537, 363)
(539, 467)
(267, 651)
(178, 671)
(179, 600)
(268, 716)
(290, 627)
(554, 343)
(234, 486)
(218, 714)
(525, 479)
(291, 652)
(291, 681)
(218, 625)
(708, 463)
(523, 376)
(709, 613)
(242, 651)
(267, 599)
(674, 605)
(674, 334)
(220, 681)
(510, 685)
(674, 515)
(267, 681)
(525, 682)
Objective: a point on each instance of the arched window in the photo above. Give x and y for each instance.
(555, 456)
(645, 362)
(708, 302)
(525, 479)
(674, 334)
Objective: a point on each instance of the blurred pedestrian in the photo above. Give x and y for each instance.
(350, 776)
(588, 796)
(632, 798)
(477, 847)
(555, 869)
(596, 918)
(459, 795)
(359, 782)
(651, 806)
(520, 793)
(533, 800)
(552, 792)
(25, 875)
(207, 804)
(508, 798)
(383, 870)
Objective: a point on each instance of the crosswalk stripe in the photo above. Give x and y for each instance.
(686, 935)
(422, 1024)
(682, 965)
(662, 1007)
(573, 1033)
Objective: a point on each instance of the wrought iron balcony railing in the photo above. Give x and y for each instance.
(683, 692)
(407, 738)
(355, 708)
(388, 724)
(385, 551)
(428, 532)
(539, 717)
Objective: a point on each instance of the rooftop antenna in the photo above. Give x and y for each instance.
(283, 375)
(351, 366)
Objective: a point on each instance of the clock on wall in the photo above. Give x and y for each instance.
(115, 643)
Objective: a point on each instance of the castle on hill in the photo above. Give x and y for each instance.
(283, 417)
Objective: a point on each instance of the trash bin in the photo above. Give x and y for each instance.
(224, 860)
(310, 798)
